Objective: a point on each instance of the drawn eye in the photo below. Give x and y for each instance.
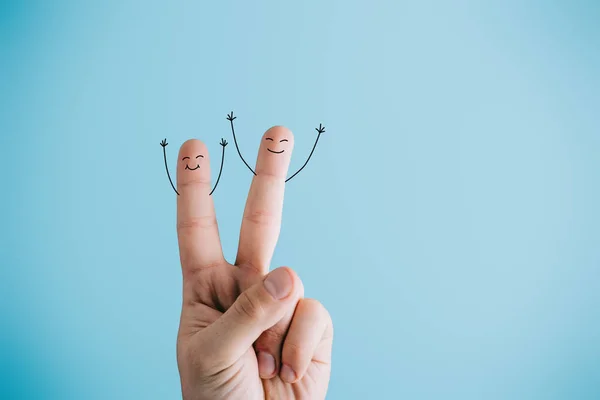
(185, 158)
(200, 155)
(269, 139)
(283, 140)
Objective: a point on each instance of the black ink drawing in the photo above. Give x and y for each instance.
(320, 130)
(272, 140)
(187, 160)
(230, 118)
(223, 144)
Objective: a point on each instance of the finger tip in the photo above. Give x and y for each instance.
(193, 163)
(275, 151)
(287, 374)
(279, 130)
(193, 146)
(267, 365)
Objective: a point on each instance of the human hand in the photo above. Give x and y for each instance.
(245, 333)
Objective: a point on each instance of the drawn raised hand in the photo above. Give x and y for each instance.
(320, 129)
(230, 118)
(164, 144)
(224, 142)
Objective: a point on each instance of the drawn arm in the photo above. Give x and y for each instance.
(223, 143)
(164, 146)
(230, 118)
(320, 129)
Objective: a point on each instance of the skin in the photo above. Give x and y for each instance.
(245, 332)
(275, 152)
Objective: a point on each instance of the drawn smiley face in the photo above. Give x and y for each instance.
(275, 152)
(276, 145)
(187, 165)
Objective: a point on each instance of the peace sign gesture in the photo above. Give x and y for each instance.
(245, 332)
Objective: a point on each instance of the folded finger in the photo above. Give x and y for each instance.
(270, 343)
(308, 335)
(256, 309)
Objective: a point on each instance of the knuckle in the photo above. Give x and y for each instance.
(274, 334)
(271, 338)
(326, 315)
(262, 218)
(195, 184)
(313, 304)
(248, 307)
(317, 307)
(293, 354)
(270, 176)
(208, 221)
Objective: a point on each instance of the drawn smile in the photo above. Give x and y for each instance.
(197, 165)
(276, 152)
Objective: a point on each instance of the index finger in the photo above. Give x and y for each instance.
(199, 243)
(262, 215)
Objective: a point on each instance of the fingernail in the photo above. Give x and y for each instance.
(266, 365)
(287, 373)
(278, 283)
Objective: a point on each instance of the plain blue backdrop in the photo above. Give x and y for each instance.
(449, 218)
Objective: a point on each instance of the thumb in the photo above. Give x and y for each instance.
(255, 310)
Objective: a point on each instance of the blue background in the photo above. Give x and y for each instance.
(449, 218)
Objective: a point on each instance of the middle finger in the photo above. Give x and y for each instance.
(262, 216)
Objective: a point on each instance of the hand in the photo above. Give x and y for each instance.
(245, 333)
(230, 117)
(224, 142)
(320, 129)
(164, 143)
